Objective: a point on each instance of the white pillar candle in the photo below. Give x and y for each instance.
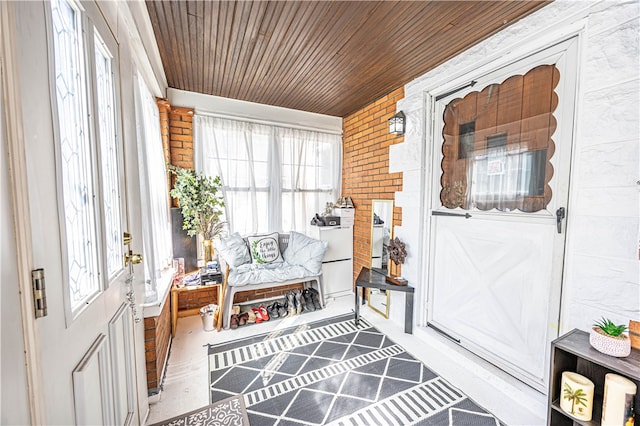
(576, 395)
(619, 393)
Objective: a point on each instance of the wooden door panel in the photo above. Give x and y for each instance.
(484, 263)
(91, 386)
(121, 340)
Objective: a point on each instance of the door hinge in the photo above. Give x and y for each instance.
(39, 293)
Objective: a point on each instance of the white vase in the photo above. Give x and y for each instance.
(610, 345)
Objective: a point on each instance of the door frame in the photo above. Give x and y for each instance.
(448, 83)
(20, 207)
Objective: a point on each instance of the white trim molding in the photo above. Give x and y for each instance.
(235, 109)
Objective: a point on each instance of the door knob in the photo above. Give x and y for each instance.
(132, 258)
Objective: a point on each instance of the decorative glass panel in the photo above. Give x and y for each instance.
(498, 143)
(109, 159)
(77, 183)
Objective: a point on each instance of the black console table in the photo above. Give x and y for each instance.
(371, 279)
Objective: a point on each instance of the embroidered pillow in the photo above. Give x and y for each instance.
(233, 250)
(264, 248)
(305, 251)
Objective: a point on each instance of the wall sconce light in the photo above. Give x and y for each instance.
(397, 124)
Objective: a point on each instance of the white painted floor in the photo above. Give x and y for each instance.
(185, 386)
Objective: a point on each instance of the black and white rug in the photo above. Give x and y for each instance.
(229, 412)
(334, 372)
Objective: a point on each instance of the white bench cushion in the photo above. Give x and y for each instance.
(251, 273)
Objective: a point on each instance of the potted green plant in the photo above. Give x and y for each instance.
(610, 339)
(201, 204)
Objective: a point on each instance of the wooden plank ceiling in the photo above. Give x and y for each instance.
(328, 57)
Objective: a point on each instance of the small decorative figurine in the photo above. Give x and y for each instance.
(397, 251)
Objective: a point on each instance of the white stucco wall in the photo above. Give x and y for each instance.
(601, 260)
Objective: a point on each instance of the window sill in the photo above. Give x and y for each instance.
(153, 308)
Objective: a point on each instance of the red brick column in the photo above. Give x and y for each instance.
(365, 169)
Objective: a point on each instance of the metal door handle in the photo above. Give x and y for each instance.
(439, 213)
(560, 214)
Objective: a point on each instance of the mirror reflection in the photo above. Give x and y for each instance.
(381, 228)
(381, 234)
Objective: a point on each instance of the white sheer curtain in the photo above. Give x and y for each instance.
(274, 178)
(158, 250)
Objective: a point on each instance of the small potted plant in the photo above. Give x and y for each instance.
(610, 338)
(201, 203)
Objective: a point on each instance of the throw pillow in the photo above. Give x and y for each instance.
(305, 251)
(233, 250)
(265, 248)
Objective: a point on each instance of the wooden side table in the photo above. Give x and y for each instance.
(372, 279)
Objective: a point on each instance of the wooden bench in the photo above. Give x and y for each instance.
(229, 290)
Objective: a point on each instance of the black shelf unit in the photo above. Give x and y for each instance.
(572, 352)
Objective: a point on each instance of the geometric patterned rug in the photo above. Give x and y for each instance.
(334, 372)
(230, 412)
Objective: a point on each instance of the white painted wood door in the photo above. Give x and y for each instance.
(495, 276)
(86, 339)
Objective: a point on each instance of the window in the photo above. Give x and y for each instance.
(498, 142)
(110, 158)
(274, 178)
(309, 161)
(89, 158)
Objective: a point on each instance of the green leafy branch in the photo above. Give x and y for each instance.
(201, 202)
(256, 253)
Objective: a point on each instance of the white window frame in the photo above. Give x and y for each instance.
(88, 33)
(212, 134)
(158, 248)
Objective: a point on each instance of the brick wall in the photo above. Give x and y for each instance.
(245, 296)
(157, 332)
(196, 299)
(365, 169)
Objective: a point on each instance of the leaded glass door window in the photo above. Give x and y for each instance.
(90, 163)
(110, 157)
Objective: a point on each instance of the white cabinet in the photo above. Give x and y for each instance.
(337, 264)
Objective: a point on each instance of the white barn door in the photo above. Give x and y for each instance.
(500, 182)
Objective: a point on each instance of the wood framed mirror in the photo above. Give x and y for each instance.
(381, 234)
